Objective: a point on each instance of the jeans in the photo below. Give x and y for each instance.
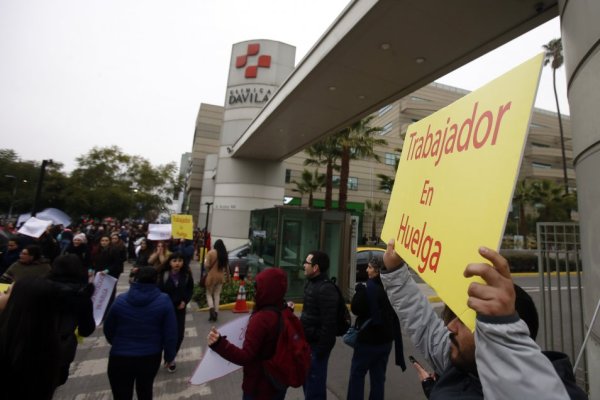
(315, 387)
(124, 371)
(372, 358)
(278, 396)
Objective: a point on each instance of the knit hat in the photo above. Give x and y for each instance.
(80, 236)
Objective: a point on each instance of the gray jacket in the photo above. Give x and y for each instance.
(510, 364)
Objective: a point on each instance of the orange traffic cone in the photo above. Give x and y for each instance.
(240, 302)
(236, 273)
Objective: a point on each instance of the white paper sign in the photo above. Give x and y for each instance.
(159, 231)
(34, 227)
(212, 365)
(104, 285)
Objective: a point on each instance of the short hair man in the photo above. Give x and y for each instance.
(319, 321)
(499, 361)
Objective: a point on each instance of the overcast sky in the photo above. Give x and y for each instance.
(80, 73)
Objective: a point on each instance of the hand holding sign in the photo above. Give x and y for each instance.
(497, 298)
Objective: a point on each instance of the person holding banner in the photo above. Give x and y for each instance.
(139, 326)
(499, 360)
(160, 255)
(175, 279)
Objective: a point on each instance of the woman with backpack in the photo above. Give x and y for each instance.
(216, 263)
(261, 337)
(175, 279)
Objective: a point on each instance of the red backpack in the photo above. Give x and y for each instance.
(291, 361)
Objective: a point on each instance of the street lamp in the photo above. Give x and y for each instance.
(38, 191)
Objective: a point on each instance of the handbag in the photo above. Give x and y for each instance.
(351, 336)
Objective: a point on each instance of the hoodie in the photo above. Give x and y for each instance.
(261, 335)
(141, 322)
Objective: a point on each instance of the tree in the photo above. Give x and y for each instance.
(376, 212)
(554, 56)
(108, 182)
(386, 183)
(356, 142)
(523, 196)
(310, 183)
(325, 153)
(550, 202)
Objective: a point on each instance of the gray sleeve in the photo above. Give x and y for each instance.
(511, 365)
(425, 328)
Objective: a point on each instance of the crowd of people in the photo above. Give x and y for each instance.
(50, 282)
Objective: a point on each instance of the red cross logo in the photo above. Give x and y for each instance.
(251, 71)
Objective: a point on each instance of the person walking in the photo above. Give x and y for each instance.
(160, 255)
(260, 337)
(319, 319)
(378, 322)
(139, 326)
(216, 263)
(74, 293)
(79, 247)
(175, 279)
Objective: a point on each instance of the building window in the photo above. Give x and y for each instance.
(538, 126)
(534, 144)
(352, 182)
(387, 128)
(419, 99)
(390, 158)
(288, 175)
(385, 109)
(541, 165)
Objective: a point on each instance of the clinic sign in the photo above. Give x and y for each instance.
(256, 70)
(455, 181)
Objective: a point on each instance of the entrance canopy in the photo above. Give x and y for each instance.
(376, 52)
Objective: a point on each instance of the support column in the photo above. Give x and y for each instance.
(581, 43)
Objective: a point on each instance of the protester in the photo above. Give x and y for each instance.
(29, 341)
(216, 263)
(175, 279)
(118, 246)
(379, 329)
(10, 255)
(30, 264)
(107, 260)
(260, 337)
(143, 254)
(319, 319)
(500, 360)
(160, 255)
(139, 326)
(74, 293)
(80, 248)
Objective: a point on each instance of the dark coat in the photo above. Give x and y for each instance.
(182, 291)
(108, 258)
(82, 251)
(319, 314)
(141, 322)
(371, 301)
(261, 335)
(76, 311)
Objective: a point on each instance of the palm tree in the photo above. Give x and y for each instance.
(551, 204)
(386, 183)
(523, 196)
(310, 183)
(376, 211)
(554, 57)
(325, 153)
(356, 142)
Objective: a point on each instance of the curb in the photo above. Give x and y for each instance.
(297, 306)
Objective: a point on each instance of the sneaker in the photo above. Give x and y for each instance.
(171, 367)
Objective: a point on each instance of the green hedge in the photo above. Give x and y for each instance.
(228, 294)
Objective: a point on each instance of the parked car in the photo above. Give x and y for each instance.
(243, 258)
(363, 255)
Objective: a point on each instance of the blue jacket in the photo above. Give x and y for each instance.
(141, 322)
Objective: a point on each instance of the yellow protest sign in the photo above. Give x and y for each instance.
(4, 287)
(182, 226)
(455, 181)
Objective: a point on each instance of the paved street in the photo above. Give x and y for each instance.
(88, 379)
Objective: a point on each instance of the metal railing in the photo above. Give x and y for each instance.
(560, 274)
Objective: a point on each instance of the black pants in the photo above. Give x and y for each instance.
(180, 316)
(124, 371)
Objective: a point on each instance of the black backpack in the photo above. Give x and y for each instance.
(343, 315)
